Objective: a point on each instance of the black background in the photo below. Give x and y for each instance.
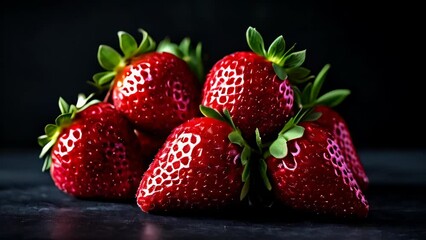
(49, 50)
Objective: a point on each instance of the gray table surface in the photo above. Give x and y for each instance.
(31, 207)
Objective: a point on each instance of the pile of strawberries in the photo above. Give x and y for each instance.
(254, 131)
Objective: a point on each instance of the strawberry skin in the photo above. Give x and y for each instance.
(245, 84)
(197, 168)
(314, 176)
(333, 121)
(156, 92)
(98, 156)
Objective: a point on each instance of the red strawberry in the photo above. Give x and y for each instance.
(314, 176)
(333, 121)
(157, 90)
(254, 86)
(95, 152)
(197, 168)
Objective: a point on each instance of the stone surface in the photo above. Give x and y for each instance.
(31, 207)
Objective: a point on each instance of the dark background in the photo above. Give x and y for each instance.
(49, 50)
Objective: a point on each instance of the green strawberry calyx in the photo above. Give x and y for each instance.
(113, 62)
(286, 62)
(246, 158)
(52, 131)
(306, 100)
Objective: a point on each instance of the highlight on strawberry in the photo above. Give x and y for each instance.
(156, 88)
(92, 151)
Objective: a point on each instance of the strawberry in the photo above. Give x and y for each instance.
(333, 121)
(197, 168)
(308, 170)
(94, 151)
(314, 176)
(155, 90)
(320, 108)
(255, 85)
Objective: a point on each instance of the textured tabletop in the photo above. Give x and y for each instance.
(31, 207)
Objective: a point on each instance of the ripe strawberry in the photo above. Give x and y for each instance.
(333, 121)
(255, 86)
(94, 151)
(314, 176)
(320, 108)
(155, 90)
(307, 167)
(197, 168)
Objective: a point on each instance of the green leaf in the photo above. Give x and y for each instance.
(301, 80)
(289, 124)
(103, 78)
(297, 96)
(43, 140)
(47, 148)
(128, 44)
(246, 172)
(258, 140)
(255, 41)
(81, 100)
(313, 116)
(108, 58)
(306, 94)
(184, 46)
(318, 82)
(147, 44)
(63, 105)
(294, 132)
(298, 75)
(73, 110)
(333, 98)
(263, 173)
(298, 72)
(47, 163)
(63, 119)
(198, 66)
(280, 71)
(278, 148)
(167, 46)
(236, 138)
(295, 59)
(245, 190)
(245, 155)
(92, 102)
(228, 118)
(50, 129)
(210, 112)
(276, 50)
